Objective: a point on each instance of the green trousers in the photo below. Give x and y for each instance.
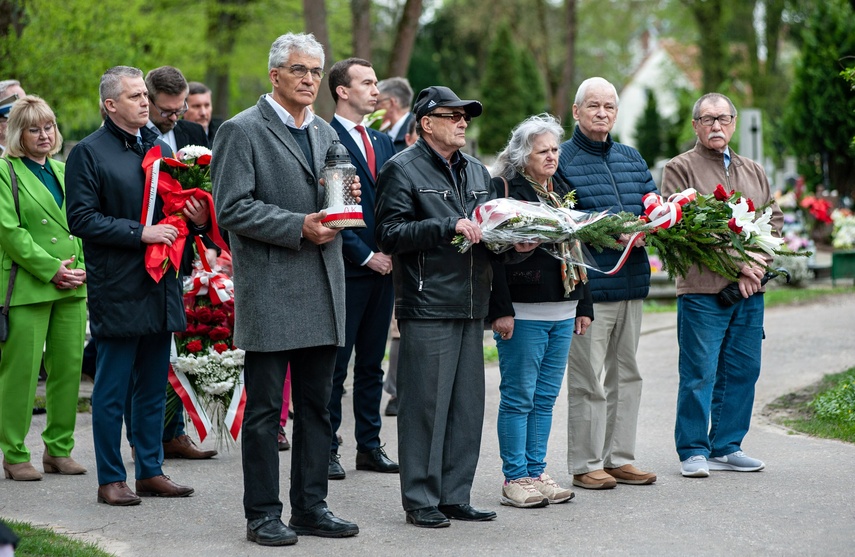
(58, 330)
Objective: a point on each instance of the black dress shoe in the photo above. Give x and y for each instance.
(392, 407)
(376, 460)
(466, 512)
(428, 517)
(323, 523)
(269, 530)
(335, 471)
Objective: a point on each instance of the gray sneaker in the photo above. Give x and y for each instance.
(736, 462)
(695, 467)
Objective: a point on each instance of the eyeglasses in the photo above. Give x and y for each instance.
(723, 119)
(384, 99)
(299, 70)
(167, 113)
(47, 129)
(453, 116)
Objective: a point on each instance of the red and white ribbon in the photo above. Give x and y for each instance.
(234, 415)
(195, 410)
(666, 213)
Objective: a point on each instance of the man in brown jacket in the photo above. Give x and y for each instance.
(719, 346)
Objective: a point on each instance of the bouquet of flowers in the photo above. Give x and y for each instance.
(717, 231)
(176, 180)
(843, 236)
(208, 369)
(505, 221)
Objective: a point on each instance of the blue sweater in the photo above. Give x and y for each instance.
(613, 177)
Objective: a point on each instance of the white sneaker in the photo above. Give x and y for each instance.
(736, 462)
(550, 489)
(522, 493)
(695, 467)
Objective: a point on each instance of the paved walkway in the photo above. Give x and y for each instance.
(802, 504)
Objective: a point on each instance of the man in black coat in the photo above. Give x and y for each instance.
(131, 315)
(368, 279)
(167, 93)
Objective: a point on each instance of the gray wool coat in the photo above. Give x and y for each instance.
(289, 292)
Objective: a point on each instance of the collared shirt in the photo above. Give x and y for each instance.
(286, 117)
(396, 127)
(354, 133)
(47, 177)
(727, 156)
(168, 137)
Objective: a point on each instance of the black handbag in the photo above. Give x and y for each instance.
(4, 310)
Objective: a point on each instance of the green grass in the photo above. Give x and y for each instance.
(826, 409)
(773, 297)
(43, 542)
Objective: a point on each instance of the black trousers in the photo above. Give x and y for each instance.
(369, 300)
(311, 384)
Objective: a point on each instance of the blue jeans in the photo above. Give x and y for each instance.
(532, 364)
(719, 365)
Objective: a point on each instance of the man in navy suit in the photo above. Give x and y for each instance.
(368, 281)
(396, 96)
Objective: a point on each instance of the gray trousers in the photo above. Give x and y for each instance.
(441, 409)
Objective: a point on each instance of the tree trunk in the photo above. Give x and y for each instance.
(405, 39)
(561, 102)
(315, 18)
(225, 18)
(361, 14)
(709, 16)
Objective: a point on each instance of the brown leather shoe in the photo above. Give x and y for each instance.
(162, 486)
(629, 474)
(117, 494)
(21, 472)
(64, 465)
(597, 479)
(184, 447)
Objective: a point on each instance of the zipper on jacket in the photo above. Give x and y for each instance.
(726, 173)
(443, 192)
(614, 184)
(421, 270)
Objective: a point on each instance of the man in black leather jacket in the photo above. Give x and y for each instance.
(424, 196)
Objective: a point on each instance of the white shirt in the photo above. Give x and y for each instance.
(168, 137)
(395, 129)
(286, 117)
(354, 133)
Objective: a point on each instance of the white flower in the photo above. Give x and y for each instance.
(744, 217)
(192, 152)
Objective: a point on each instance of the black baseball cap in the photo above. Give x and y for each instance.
(436, 96)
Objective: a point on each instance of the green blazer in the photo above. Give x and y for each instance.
(40, 243)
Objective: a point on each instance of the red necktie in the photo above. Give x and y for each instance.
(369, 151)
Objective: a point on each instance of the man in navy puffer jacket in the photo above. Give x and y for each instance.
(604, 384)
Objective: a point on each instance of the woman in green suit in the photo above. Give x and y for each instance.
(47, 313)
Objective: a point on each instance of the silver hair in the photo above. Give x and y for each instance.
(583, 89)
(399, 88)
(285, 45)
(514, 158)
(712, 97)
(6, 83)
(111, 81)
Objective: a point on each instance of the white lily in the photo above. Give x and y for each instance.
(744, 217)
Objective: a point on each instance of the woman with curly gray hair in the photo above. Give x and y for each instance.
(536, 306)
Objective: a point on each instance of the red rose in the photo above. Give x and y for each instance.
(190, 314)
(722, 194)
(218, 316)
(733, 226)
(750, 205)
(194, 346)
(202, 330)
(221, 347)
(204, 160)
(219, 333)
(190, 330)
(203, 315)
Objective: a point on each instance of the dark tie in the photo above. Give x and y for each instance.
(369, 151)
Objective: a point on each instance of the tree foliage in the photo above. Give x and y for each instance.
(820, 115)
(503, 93)
(649, 131)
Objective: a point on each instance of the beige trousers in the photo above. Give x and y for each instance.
(604, 389)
